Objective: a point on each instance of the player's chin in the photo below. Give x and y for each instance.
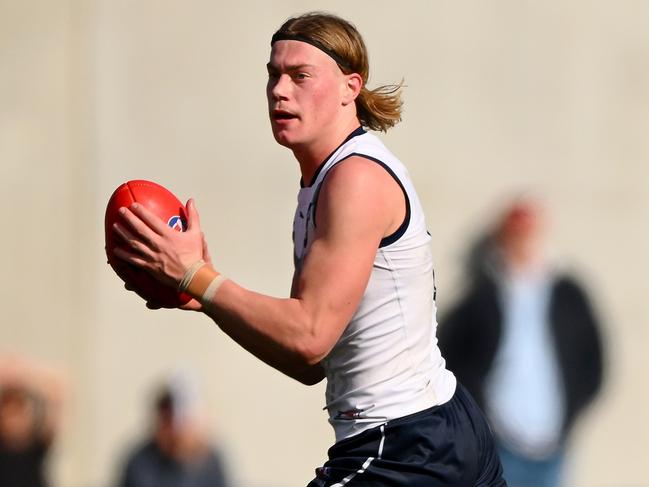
(283, 137)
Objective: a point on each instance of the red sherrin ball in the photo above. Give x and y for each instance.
(165, 205)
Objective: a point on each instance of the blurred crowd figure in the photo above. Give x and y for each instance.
(178, 452)
(525, 341)
(31, 396)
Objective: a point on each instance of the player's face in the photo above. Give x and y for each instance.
(304, 93)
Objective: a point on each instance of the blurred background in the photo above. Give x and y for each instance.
(502, 97)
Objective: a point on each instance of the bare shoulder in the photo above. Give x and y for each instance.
(360, 188)
(358, 172)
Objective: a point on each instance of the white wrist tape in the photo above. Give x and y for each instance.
(189, 275)
(210, 292)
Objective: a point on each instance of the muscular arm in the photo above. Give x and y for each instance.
(359, 204)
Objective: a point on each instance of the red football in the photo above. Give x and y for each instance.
(170, 210)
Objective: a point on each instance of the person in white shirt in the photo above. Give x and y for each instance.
(361, 311)
(526, 341)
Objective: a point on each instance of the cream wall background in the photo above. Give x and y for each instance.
(502, 96)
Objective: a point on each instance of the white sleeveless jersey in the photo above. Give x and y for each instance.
(386, 364)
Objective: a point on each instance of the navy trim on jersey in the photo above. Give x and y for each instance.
(358, 131)
(398, 233)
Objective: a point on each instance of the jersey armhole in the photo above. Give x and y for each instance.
(398, 233)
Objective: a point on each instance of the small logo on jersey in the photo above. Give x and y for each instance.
(177, 223)
(351, 414)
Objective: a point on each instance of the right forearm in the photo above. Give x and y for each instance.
(278, 331)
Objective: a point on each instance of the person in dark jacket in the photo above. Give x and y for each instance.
(525, 341)
(177, 453)
(31, 397)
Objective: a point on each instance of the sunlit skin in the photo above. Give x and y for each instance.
(312, 110)
(310, 102)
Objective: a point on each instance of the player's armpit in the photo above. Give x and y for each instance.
(309, 376)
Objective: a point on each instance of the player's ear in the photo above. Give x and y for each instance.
(353, 85)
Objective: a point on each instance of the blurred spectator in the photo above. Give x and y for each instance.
(30, 409)
(526, 343)
(177, 453)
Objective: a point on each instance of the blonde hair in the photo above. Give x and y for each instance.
(377, 109)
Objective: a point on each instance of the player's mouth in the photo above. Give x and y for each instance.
(282, 116)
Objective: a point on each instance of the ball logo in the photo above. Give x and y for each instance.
(177, 223)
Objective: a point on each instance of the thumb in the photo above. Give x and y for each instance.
(193, 220)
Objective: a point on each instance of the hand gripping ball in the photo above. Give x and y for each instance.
(170, 210)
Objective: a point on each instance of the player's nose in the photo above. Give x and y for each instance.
(279, 87)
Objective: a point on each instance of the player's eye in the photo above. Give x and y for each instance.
(300, 76)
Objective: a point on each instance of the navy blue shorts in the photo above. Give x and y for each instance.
(444, 446)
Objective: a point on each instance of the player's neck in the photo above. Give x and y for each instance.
(311, 156)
